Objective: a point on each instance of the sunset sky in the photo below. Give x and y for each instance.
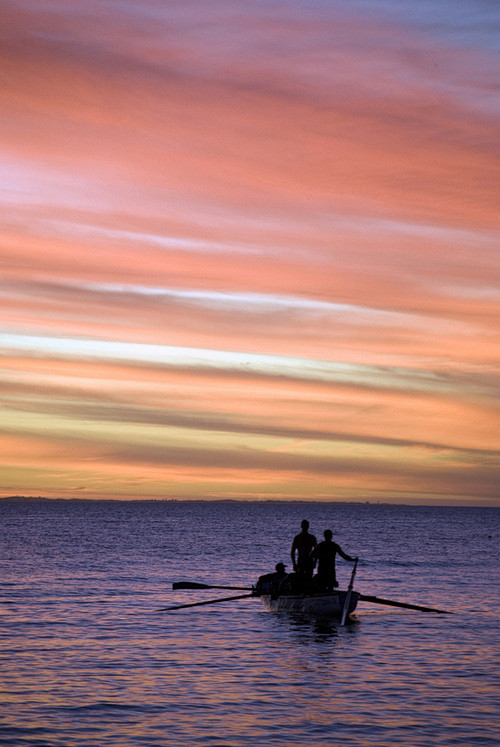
(249, 249)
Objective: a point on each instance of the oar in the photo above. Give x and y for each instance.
(193, 585)
(208, 601)
(349, 593)
(392, 603)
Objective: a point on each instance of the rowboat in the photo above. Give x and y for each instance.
(289, 596)
(281, 592)
(327, 604)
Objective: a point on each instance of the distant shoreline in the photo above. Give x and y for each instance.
(304, 502)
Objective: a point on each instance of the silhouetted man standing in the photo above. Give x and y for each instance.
(302, 546)
(325, 554)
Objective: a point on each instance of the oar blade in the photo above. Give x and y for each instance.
(207, 601)
(349, 594)
(195, 585)
(188, 585)
(394, 603)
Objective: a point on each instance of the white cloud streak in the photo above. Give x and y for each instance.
(240, 363)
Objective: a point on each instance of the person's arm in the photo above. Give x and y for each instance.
(345, 555)
(292, 554)
(314, 555)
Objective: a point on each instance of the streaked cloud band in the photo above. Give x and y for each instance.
(242, 363)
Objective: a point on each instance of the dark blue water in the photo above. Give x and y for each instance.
(86, 659)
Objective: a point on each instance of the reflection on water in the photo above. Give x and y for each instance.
(310, 628)
(86, 659)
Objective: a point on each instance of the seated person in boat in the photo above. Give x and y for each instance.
(302, 546)
(324, 554)
(270, 583)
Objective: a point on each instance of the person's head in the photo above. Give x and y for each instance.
(327, 534)
(305, 525)
(280, 568)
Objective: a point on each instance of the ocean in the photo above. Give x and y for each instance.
(87, 658)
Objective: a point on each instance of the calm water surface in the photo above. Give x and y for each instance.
(86, 659)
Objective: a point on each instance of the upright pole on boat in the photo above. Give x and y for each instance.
(349, 593)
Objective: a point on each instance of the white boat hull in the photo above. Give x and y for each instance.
(329, 604)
